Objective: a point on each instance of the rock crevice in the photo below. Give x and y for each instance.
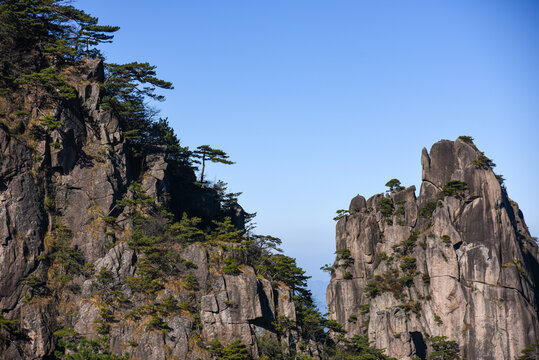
(59, 195)
(457, 261)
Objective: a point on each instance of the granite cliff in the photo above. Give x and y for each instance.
(455, 266)
(111, 249)
(114, 248)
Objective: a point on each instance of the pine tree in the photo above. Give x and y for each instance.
(394, 185)
(126, 88)
(444, 349)
(36, 34)
(363, 350)
(207, 153)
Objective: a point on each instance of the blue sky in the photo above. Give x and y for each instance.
(317, 101)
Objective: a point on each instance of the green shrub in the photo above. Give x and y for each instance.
(530, 353)
(386, 206)
(454, 188)
(188, 264)
(343, 253)
(7, 324)
(362, 349)
(72, 346)
(340, 214)
(466, 139)
(104, 275)
(144, 284)
(156, 323)
(443, 349)
(67, 261)
(427, 210)
(187, 231)
(284, 268)
(438, 319)
(283, 324)
(484, 162)
(408, 264)
(399, 211)
(33, 281)
(20, 113)
(231, 266)
(372, 289)
(412, 306)
(106, 314)
(109, 219)
(118, 296)
(226, 232)
(185, 306)
(394, 185)
(269, 348)
(379, 258)
(168, 305)
(50, 122)
(407, 280)
(329, 269)
(234, 351)
(389, 281)
(352, 319)
(407, 246)
(56, 145)
(190, 282)
(49, 204)
(334, 326)
(348, 276)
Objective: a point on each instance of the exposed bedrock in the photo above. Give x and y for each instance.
(457, 261)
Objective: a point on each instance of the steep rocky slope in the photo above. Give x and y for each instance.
(88, 252)
(457, 261)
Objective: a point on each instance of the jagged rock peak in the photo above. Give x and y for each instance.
(457, 261)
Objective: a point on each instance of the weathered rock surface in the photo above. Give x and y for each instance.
(466, 269)
(77, 184)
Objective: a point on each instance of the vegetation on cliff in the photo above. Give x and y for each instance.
(408, 269)
(46, 48)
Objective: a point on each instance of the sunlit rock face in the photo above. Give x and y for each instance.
(456, 261)
(77, 183)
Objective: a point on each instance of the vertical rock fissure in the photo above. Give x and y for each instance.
(466, 262)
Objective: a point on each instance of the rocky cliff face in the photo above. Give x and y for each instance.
(457, 261)
(67, 255)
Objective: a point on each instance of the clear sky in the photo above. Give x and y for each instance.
(317, 101)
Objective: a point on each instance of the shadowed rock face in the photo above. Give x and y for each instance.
(78, 185)
(467, 269)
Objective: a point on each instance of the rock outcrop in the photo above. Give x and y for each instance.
(457, 261)
(65, 258)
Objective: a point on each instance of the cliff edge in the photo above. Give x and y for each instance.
(455, 265)
(110, 246)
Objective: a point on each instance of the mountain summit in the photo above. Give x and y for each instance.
(452, 271)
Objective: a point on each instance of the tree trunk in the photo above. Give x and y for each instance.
(203, 167)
